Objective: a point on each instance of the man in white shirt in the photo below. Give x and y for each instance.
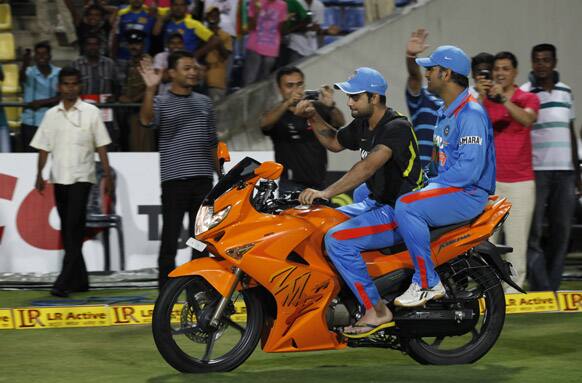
(303, 42)
(557, 173)
(72, 131)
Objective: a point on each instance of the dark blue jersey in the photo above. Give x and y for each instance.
(423, 109)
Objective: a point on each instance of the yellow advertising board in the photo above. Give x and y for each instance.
(120, 315)
(570, 301)
(536, 302)
(6, 322)
(55, 317)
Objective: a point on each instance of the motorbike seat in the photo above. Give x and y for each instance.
(435, 232)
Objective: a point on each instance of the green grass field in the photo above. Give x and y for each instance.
(532, 348)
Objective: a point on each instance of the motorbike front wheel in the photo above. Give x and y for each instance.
(184, 336)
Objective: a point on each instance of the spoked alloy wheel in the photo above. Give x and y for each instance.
(475, 283)
(184, 336)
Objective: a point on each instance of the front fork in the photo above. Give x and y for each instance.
(226, 299)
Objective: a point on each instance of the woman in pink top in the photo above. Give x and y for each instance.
(266, 18)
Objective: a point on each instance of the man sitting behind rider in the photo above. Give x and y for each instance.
(390, 166)
(464, 163)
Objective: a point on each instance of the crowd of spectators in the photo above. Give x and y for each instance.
(236, 43)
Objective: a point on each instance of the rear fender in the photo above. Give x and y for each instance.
(492, 255)
(217, 273)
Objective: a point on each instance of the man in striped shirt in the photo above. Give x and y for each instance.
(555, 163)
(422, 105)
(187, 141)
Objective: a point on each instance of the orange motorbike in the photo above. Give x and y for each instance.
(267, 260)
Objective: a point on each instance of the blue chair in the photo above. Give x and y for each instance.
(354, 18)
(332, 16)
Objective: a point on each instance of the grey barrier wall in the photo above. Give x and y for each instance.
(474, 25)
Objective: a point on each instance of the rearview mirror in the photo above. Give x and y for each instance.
(223, 156)
(223, 153)
(269, 170)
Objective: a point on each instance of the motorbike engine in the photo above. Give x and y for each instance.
(337, 314)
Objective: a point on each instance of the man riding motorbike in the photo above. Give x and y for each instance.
(463, 170)
(390, 167)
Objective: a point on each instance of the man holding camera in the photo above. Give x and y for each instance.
(512, 113)
(295, 144)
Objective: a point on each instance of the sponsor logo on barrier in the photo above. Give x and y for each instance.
(537, 302)
(55, 317)
(570, 301)
(6, 322)
(132, 314)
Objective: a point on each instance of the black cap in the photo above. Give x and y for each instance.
(135, 36)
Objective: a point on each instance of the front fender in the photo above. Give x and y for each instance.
(217, 273)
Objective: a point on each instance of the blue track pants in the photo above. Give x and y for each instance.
(372, 226)
(434, 205)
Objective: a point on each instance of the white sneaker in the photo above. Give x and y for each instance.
(415, 296)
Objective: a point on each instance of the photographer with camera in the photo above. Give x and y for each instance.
(481, 68)
(512, 113)
(295, 144)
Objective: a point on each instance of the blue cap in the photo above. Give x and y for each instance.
(448, 56)
(364, 80)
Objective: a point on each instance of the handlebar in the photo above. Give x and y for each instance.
(264, 202)
(293, 198)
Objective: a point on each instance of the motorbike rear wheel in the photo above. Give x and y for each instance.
(465, 278)
(184, 336)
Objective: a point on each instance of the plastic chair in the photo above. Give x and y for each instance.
(5, 17)
(354, 18)
(10, 85)
(101, 215)
(7, 47)
(332, 16)
(13, 112)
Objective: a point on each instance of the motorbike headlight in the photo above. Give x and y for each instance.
(206, 219)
